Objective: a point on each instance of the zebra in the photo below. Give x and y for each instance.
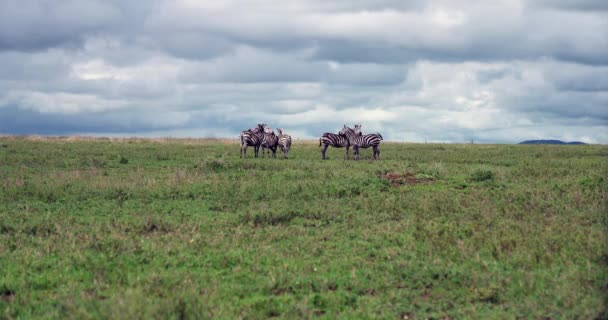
(252, 137)
(270, 141)
(334, 140)
(284, 142)
(357, 140)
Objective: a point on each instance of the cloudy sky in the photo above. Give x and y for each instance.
(446, 71)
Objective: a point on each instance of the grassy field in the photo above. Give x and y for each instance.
(186, 229)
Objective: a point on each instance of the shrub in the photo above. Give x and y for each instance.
(213, 163)
(435, 171)
(481, 175)
(162, 156)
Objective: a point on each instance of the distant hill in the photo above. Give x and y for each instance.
(550, 142)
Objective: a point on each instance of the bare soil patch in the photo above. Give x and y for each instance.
(397, 179)
(7, 294)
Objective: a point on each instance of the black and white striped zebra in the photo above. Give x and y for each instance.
(284, 142)
(252, 137)
(357, 140)
(334, 140)
(270, 141)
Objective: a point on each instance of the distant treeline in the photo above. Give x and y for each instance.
(550, 142)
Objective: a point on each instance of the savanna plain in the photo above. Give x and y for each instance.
(184, 228)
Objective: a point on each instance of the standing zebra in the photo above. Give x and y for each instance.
(284, 142)
(252, 137)
(334, 140)
(357, 140)
(270, 141)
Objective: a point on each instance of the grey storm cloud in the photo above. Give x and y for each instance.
(37, 25)
(450, 71)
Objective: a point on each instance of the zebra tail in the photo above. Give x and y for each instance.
(320, 141)
(380, 136)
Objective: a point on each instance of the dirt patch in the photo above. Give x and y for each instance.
(281, 291)
(152, 227)
(155, 228)
(7, 295)
(398, 179)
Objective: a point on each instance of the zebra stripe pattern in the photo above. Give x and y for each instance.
(252, 137)
(270, 141)
(284, 142)
(357, 140)
(334, 140)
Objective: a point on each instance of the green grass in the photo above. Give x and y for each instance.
(138, 229)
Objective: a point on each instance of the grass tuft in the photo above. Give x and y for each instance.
(481, 175)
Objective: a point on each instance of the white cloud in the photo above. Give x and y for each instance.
(60, 102)
(442, 70)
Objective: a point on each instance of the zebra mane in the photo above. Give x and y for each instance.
(346, 128)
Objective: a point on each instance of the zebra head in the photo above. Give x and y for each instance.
(268, 130)
(280, 131)
(259, 128)
(357, 129)
(345, 131)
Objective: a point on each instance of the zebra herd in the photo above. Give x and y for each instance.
(263, 136)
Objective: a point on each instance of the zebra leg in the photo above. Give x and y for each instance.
(323, 151)
(347, 148)
(241, 142)
(356, 152)
(256, 150)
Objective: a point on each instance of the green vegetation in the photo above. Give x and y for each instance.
(187, 229)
